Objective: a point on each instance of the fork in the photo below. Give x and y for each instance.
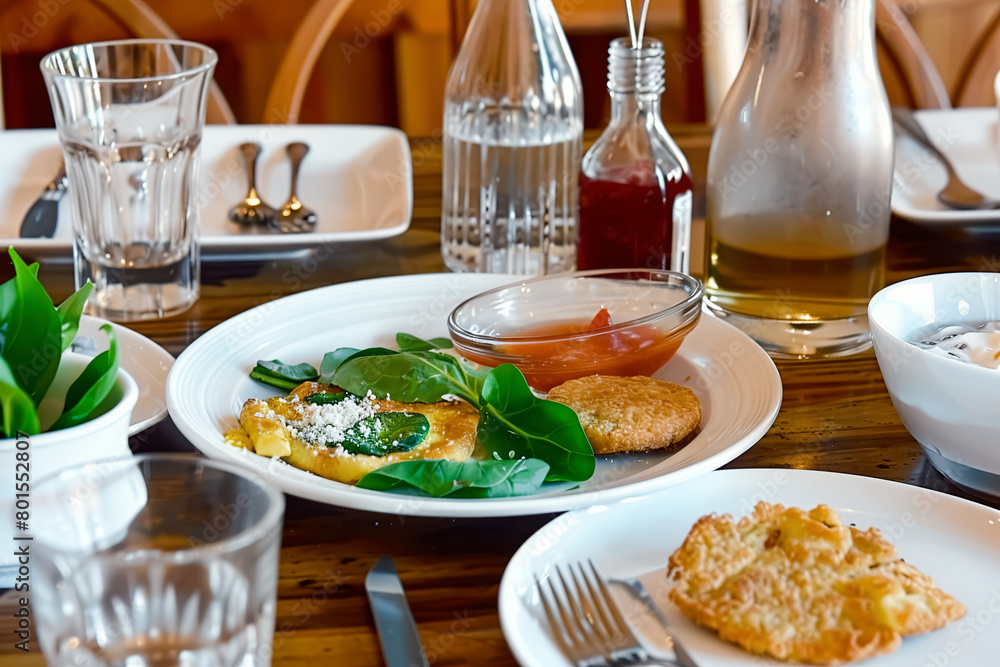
(586, 622)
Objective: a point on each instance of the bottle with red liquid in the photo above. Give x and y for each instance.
(635, 184)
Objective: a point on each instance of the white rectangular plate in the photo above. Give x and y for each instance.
(358, 179)
(968, 137)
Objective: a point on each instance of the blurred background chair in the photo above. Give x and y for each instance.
(134, 16)
(975, 84)
(385, 61)
(910, 75)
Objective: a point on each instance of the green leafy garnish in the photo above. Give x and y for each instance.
(410, 343)
(409, 376)
(282, 375)
(69, 312)
(514, 423)
(331, 360)
(386, 433)
(33, 336)
(325, 399)
(19, 413)
(459, 479)
(94, 384)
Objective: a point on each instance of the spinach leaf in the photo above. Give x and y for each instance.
(19, 413)
(325, 399)
(266, 378)
(283, 376)
(302, 372)
(386, 433)
(331, 360)
(69, 312)
(410, 376)
(514, 423)
(33, 343)
(459, 479)
(410, 343)
(92, 387)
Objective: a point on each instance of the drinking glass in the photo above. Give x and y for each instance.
(130, 116)
(159, 559)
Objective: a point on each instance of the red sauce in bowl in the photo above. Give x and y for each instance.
(639, 350)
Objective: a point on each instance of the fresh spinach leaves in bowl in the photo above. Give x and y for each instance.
(527, 440)
(34, 333)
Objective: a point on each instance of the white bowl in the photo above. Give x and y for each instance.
(949, 406)
(103, 437)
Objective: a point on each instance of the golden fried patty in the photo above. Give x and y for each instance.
(629, 414)
(293, 429)
(802, 586)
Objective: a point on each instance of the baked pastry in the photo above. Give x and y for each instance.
(630, 414)
(310, 435)
(802, 586)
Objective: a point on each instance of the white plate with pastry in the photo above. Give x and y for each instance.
(736, 382)
(954, 541)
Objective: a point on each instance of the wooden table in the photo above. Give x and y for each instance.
(835, 415)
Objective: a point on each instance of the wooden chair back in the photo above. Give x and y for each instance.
(976, 79)
(284, 100)
(905, 54)
(142, 21)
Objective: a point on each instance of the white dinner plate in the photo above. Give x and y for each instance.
(955, 541)
(969, 138)
(358, 179)
(737, 383)
(147, 363)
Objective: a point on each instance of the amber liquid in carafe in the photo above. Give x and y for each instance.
(754, 269)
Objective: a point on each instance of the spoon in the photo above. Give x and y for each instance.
(294, 217)
(251, 210)
(955, 194)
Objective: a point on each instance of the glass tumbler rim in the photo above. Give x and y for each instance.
(211, 60)
(273, 515)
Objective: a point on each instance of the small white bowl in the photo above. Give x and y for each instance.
(103, 437)
(949, 406)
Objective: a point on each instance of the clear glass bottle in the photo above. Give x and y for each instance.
(635, 184)
(799, 179)
(513, 139)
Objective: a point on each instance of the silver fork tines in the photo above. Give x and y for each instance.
(586, 622)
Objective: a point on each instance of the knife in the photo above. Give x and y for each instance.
(397, 631)
(40, 220)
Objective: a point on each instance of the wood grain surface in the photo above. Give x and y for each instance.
(835, 415)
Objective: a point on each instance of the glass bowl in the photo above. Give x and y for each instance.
(551, 327)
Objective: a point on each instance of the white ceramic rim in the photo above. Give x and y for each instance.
(882, 296)
(192, 419)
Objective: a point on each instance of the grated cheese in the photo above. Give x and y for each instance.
(326, 424)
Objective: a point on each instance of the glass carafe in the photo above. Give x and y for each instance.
(513, 139)
(635, 185)
(799, 179)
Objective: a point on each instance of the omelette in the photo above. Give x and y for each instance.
(321, 429)
(803, 586)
